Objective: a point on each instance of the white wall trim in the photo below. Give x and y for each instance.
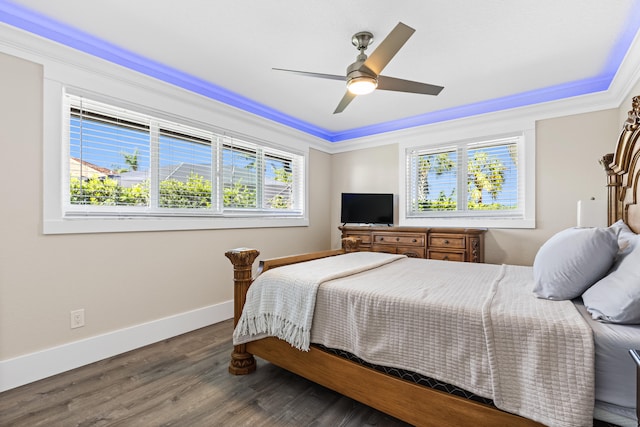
(45, 363)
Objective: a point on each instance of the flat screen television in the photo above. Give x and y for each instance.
(367, 208)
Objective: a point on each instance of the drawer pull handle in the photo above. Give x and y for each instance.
(415, 240)
(397, 239)
(445, 258)
(446, 242)
(381, 239)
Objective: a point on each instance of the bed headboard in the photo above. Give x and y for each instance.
(623, 171)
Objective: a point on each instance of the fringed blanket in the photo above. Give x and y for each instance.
(281, 301)
(476, 326)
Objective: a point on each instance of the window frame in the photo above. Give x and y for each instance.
(56, 155)
(454, 135)
(462, 157)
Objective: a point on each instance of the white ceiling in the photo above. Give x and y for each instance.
(486, 54)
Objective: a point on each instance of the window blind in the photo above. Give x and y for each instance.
(185, 171)
(105, 142)
(262, 178)
(126, 163)
(477, 178)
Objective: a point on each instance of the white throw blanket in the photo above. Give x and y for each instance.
(281, 301)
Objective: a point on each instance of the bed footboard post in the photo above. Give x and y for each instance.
(242, 259)
(351, 244)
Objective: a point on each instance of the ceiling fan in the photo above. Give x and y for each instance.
(363, 76)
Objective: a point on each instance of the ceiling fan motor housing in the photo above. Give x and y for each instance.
(361, 80)
(356, 70)
(362, 40)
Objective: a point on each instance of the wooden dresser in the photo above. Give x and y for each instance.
(449, 244)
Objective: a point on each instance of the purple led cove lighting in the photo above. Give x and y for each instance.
(30, 21)
(537, 96)
(35, 23)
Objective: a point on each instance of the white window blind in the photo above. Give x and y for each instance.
(261, 178)
(241, 166)
(492, 178)
(433, 179)
(126, 163)
(185, 169)
(478, 178)
(104, 142)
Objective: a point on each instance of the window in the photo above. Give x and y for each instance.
(255, 178)
(123, 163)
(466, 179)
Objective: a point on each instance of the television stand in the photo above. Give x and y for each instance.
(448, 244)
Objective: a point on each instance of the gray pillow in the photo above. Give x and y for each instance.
(626, 239)
(572, 260)
(616, 297)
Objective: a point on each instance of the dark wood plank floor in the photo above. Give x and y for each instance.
(182, 381)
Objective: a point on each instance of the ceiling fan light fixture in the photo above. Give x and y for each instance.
(362, 85)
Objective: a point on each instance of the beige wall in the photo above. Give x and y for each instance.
(567, 170)
(373, 170)
(120, 279)
(568, 150)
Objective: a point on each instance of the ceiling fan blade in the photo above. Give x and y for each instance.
(320, 75)
(346, 99)
(400, 85)
(386, 50)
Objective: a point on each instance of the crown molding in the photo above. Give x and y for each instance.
(55, 43)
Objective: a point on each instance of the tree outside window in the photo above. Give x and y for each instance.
(464, 178)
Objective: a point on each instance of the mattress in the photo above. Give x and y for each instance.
(613, 365)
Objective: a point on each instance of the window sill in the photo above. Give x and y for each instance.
(123, 225)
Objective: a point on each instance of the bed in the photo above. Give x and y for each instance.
(519, 360)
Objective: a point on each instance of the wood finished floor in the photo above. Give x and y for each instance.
(182, 381)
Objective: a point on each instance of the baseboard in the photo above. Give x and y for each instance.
(42, 364)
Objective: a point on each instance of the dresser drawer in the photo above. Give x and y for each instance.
(389, 249)
(453, 241)
(445, 256)
(399, 239)
(410, 251)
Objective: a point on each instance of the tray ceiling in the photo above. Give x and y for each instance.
(490, 55)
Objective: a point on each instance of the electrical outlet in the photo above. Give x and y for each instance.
(77, 318)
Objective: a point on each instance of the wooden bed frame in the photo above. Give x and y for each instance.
(415, 404)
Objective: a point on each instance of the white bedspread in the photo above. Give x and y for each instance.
(477, 326)
(541, 353)
(281, 301)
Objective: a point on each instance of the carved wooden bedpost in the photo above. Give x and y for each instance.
(613, 184)
(351, 244)
(242, 259)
